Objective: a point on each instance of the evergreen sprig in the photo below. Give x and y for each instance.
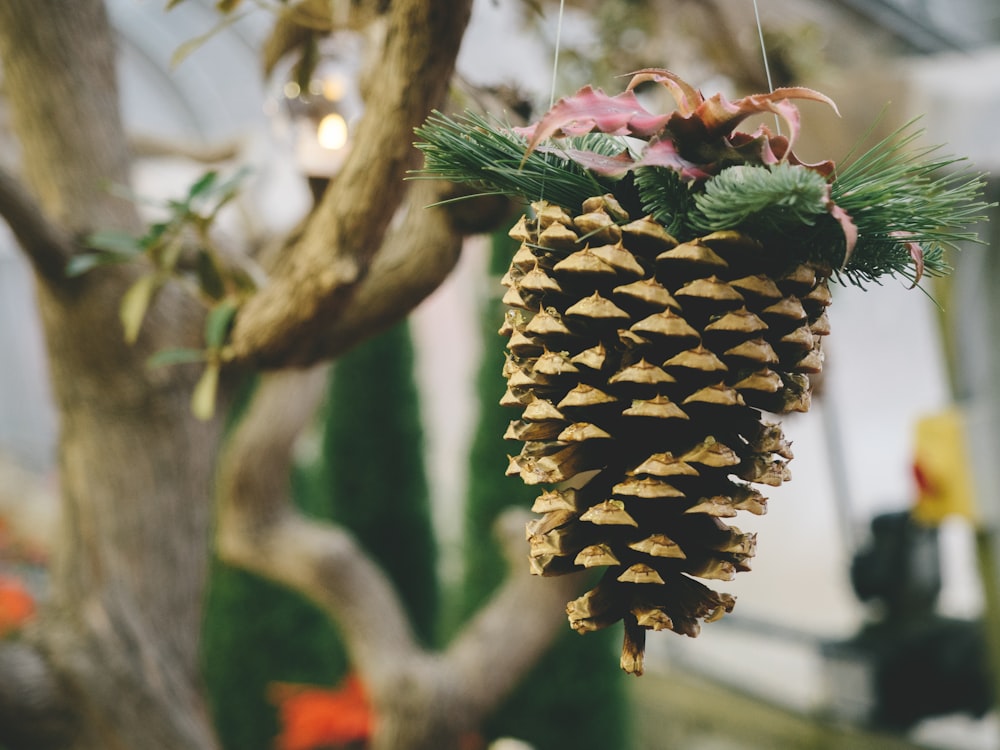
(909, 206)
(666, 197)
(476, 151)
(761, 200)
(899, 194)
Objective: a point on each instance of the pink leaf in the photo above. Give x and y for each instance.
(591, 109)
(720, 116)
(612, 166)
(663, 153)
(916, 254)
(685, 95)
(849, 228)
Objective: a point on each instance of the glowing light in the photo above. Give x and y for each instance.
(334, 87)
(332, 132)
(291, 90)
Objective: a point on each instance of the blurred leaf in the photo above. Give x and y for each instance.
(166, 253)
(179, 356)
(203, 397)
(80, 264)
(230, 188)
(135, 303)
(217, 323)
(173, 4)
(202, 186)
(210, 279)
(191, 45)
(114, 242)
(294, 26)
(226, 6)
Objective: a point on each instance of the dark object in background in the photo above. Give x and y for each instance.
(909, 663)
(900, 569)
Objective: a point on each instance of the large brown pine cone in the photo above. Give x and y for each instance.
(641, 367)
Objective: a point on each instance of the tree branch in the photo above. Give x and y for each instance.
(313, 283)
(419, 252)
(260, 530)
(46, 246)
(35, 712)
(508, 635)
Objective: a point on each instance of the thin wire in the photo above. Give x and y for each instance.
(552, 87)
(763, 52)
(555, 57)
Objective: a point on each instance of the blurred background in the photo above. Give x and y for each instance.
(868, 619)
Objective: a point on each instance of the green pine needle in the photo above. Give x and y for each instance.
(897, 193)
(488, 156)
(667, 198)
(762, 201)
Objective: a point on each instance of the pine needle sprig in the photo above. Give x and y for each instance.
(666, 197)
(898, 194)
(763, 201)
(482, 153)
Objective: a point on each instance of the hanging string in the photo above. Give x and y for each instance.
(552, 87)
(763, 52)
(555, 56)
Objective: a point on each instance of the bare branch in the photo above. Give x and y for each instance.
(46, 246)
(261, 531)
(418, 254)
(34, 710)
(514, 628)
(316, 279)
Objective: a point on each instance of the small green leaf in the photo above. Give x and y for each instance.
(203, 396)
(135, 303)
(209, 274)
(114, 242)
(80, 264)
(180, 356)
(203, 185)
(218, 321)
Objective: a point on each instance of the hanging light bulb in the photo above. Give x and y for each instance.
(332, 133)
(322, 113)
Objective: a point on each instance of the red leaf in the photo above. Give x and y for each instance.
(17, 606)
(663, 153)
(685, 95)
(591, 109)
(916, 254)
(612, 166)
(849, 228)
(314, 718)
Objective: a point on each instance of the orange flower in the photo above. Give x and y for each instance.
(313, 718)
(17, 606)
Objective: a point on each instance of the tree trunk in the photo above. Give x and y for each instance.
(136, 469)
(113, 661)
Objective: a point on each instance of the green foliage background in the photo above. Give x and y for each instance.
(575, 696)
(369, 475)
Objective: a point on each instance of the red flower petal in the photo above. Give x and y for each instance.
(318, 717)
(17, 606)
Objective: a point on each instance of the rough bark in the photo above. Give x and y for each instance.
(129, 564)
(113, 664)
(316, 279)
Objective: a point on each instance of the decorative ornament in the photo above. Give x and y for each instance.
(669, 294)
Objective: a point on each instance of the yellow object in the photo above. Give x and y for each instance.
(942, 469)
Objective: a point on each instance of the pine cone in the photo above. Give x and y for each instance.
(642, 367)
